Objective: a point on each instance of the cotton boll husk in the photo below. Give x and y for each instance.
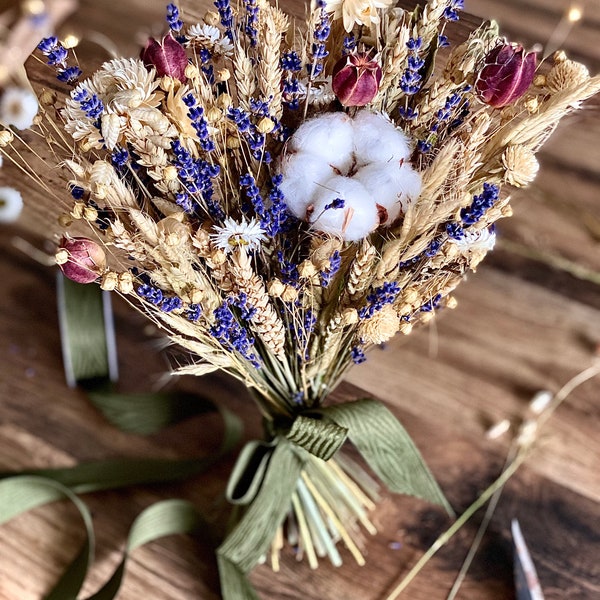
(355, 220)
(377, 140)
(329, 137)
(303, 175)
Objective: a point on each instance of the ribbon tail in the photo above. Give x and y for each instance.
(251, 537)
(387, 448)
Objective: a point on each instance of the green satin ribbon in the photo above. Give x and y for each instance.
(22, 493)
(371, 427)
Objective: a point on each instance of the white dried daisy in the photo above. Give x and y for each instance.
(212, 38)
(319, 94)
(18, 107)
(247, 234)
(361, 12)
(475, 244)
(11, 204)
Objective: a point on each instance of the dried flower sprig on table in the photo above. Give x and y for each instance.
(280, 205)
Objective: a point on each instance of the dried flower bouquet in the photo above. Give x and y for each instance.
(282, 201)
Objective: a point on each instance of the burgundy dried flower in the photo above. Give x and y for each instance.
(80, 259)
(506, 75)
(356, 79)
(168, 57)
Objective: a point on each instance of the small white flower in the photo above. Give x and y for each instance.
(11, 204)
(481, 240)
(248, 234)
(211, 37)
(18, 107)
(362, 12)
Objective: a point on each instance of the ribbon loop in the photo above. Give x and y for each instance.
(249, 471)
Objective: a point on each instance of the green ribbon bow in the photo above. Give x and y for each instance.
(266, 474)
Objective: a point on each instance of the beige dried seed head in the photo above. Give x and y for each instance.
(167, 83)
(213, 114)
(222, 75)
(47, 97)
(349, 316)
(559, 56)
(275, 287)
(192, 72)
(77, 210)
(306, 269)
(531, 104)
(212, 18)
(90, 213)
(539, 80)
(224, 101)
(109, 281)
(65, 220)
(565, 75)
(62, 256)
(451, 302)
(290, 293)
(125, 282)
(266, 125)
(170, 173)
(520, 164)
(381, 326)
(6, 137)
(405, 328)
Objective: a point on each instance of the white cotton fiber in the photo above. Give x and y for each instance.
(355, 220)
(409, 186)
(381, 179)
(303, 175)
(377, 140)
(330, 137)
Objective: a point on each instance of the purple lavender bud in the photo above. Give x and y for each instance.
(506, 75)
(168, 57)
(356, 79)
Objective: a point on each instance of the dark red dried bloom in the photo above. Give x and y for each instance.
(506, 75)
(356, 79)
(167, 57)
(80, 259)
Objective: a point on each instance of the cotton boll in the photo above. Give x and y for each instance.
(329, 137)
(409, 185)
(377, 140)
(18, 107)
(11, 204)
(381, 179)
(303, 175)
(355, 220)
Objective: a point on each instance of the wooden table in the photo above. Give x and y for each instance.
(523, 323)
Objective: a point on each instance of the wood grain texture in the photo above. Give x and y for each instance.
(521, 325)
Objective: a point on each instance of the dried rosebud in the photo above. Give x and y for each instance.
(356, 79)
(506, 75)
(168, 57)
(80, 259)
